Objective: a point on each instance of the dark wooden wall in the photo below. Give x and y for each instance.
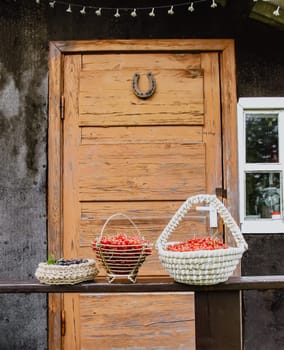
(25, 30)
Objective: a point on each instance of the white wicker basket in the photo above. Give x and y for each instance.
(71, 274)
(201, 267)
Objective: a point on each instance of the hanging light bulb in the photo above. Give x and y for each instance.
(152, 13)
(276, 12)
(117, 14)
(171, 11)
(83, 11)
(37, 1)
(99, 12)
(190, 7)
(69, 10)
(133, 13)
(52, 3)
(213, 5)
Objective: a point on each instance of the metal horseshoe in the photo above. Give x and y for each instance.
(147, 93)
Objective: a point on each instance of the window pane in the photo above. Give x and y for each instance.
(262, 138)
(262, 194)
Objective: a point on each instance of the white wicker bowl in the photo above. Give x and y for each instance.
(202, 267)
(70, 274)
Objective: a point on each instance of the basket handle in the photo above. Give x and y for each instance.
(119, 214)
(185, 207)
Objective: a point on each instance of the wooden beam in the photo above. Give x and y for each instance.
(142, 45)
(263, 12)
(145, 284)
(55, 180)
(218, 320)
(218, 308)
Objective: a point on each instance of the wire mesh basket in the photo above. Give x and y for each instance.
(121, 255)
(201, 267)
(67, 274)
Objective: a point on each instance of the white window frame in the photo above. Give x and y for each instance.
(266, 105)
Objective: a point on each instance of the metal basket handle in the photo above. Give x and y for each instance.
(119, 214)
(185, 207)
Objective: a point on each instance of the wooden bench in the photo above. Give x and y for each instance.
(218, 312)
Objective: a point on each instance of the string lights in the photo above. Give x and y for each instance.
(213, 5)
(152, 13)
(191, 7)
(133, 13)
(99, 12)
(277, 11)
(171, 11)
(69, 9)
(83, 9)
(117, 14)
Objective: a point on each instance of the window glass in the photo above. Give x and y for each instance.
(262, 194)
(261, 164)
(262, 138)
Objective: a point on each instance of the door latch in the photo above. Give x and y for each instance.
(221, 192)
(213, 219)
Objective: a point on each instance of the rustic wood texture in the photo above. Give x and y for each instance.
(143, 134)
(229, 129)
(217, 308)
(142, 45)
(121, 170)
(55, 187)
(144, 321)
(160, 160)
(71, 204)
(112, 101)
(134, 172)
(212, 128)
(127, 162)
(132, 60)
(143, 285)
(99, 173)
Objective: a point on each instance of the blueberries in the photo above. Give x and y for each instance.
(68, 262)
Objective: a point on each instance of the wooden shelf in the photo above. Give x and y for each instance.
(142, 285)
(217, 308)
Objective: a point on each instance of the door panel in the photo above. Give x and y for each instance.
(134, 171)
(106, 96)
(143, 134)
(142, 158)
(111, 326)
(153, 60)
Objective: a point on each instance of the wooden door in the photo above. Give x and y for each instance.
(141, 157)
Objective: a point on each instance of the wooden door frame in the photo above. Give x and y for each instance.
(57, 51)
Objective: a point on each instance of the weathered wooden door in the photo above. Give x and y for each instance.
(141, 157)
